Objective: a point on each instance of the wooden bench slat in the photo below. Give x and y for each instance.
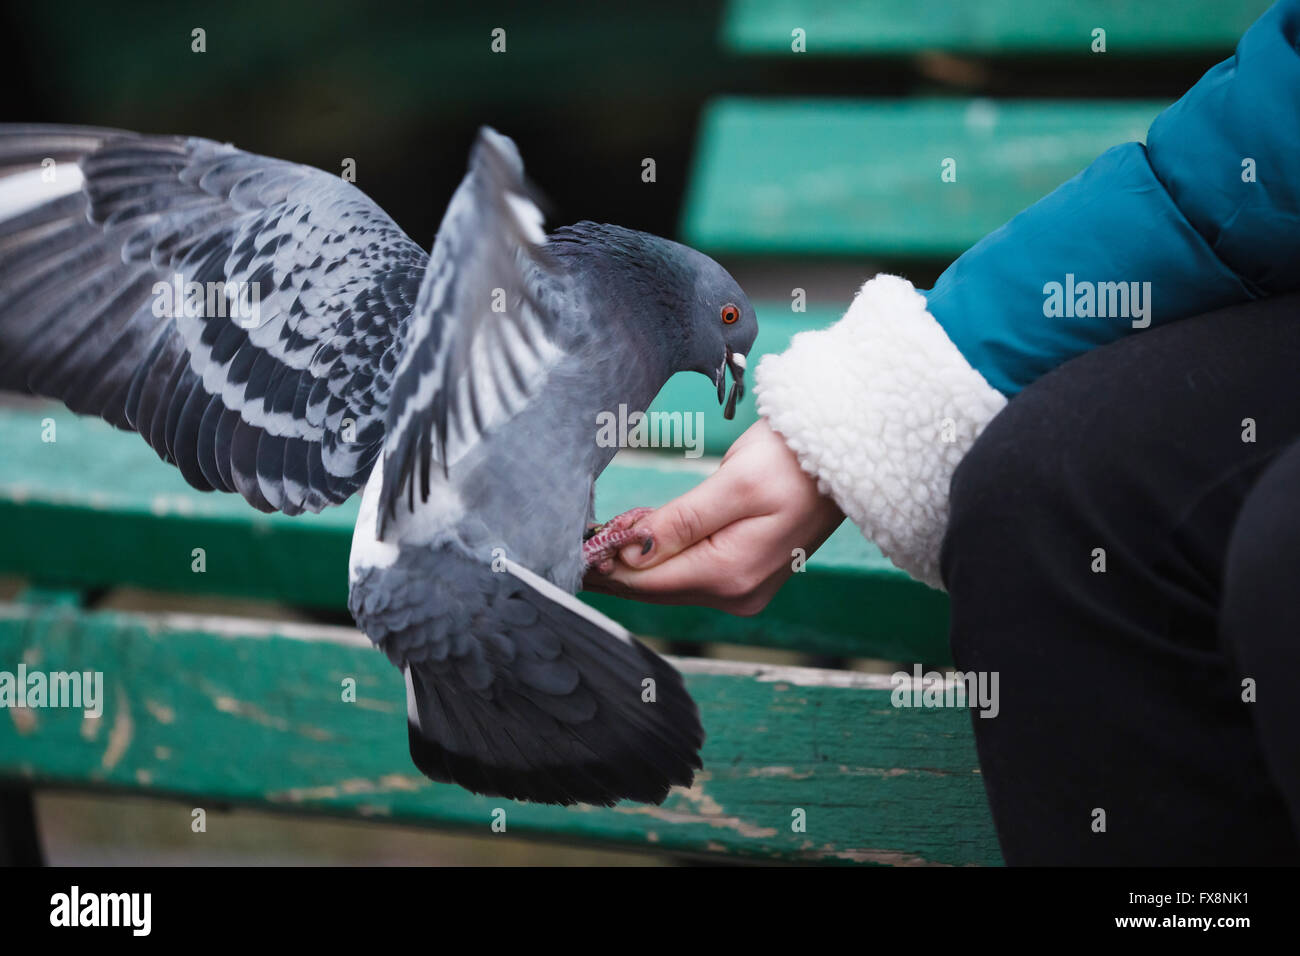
(97, 508)
(222, 711)
(864, 177)
(841, 28)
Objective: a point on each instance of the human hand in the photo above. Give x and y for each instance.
(729, 542)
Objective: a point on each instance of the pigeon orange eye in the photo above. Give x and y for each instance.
(730, 314)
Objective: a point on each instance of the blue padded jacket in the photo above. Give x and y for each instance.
(1207, 212)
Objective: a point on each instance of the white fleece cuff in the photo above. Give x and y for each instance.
(880, 408)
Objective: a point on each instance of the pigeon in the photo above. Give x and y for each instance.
(271, 332)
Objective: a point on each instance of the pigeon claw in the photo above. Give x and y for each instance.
(602, 542)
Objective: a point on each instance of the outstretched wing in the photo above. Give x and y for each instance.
(241, 313)
(483, 334)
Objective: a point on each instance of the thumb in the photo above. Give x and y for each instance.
(708, 507)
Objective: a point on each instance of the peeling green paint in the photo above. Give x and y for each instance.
(227, 712)
(82, 513)
(862, 177)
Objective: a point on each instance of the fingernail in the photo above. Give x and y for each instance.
(649, 543)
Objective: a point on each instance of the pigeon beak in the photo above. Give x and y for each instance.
(736, 362)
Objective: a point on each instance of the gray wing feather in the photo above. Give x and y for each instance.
(483, 333)
(285, 405)
(516, 692)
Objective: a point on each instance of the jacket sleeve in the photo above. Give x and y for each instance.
(882, 406)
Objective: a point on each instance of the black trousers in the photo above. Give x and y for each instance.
(1124, 550)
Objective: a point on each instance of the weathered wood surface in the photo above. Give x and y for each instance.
(96, 508)
(224, 711)
(846, 28)
(864, 177)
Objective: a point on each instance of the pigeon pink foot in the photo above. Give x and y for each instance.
(603, 542)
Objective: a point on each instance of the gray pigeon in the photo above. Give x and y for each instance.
(270, 331)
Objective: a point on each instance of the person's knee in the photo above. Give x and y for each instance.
(998, 492)
(1011, 473)
(1062, 472)
(1262, 563)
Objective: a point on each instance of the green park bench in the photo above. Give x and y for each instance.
(226, 711)
(231, 711)
(990, 27)
(863, 176)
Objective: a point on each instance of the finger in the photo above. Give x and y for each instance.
(689, 573)
(660, 591)
(726, 565)
(733, 599)
(707, 508)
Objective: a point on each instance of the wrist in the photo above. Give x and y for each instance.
(880, 408)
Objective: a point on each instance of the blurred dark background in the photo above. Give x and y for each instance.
(588, 90)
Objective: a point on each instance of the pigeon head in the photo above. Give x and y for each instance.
(677, 301)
